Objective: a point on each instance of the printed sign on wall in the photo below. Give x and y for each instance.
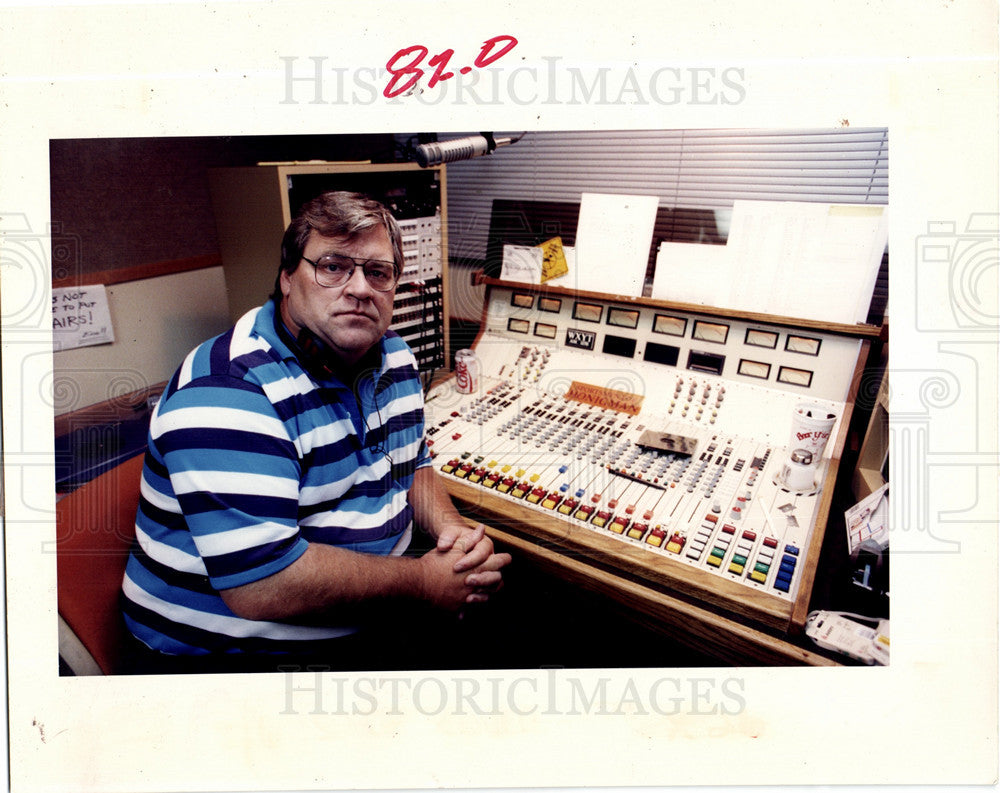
(80, 317)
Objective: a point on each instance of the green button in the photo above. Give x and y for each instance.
(719, 552)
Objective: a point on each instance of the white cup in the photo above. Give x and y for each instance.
(811, 428)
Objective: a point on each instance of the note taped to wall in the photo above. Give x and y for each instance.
(80, 317)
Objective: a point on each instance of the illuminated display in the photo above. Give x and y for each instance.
(761, 338)
(545, 330)
(754, 369)
(714, 332)
(623, 317)
(802, 344)
(670, 326)
(588, 312)
(802, 377)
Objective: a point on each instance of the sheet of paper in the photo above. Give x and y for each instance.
(689, 272)
(613, 235)
(806, 260)
(868, 520)
(80, 317)
(522, 263)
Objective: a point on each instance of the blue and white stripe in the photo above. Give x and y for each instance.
(249, 460)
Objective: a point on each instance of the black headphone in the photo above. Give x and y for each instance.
(314, 354)
(317, 358)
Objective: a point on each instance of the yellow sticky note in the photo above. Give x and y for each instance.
(553, 259)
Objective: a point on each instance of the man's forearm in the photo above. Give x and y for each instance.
(433, 509)
(326, 577)
(323, 578)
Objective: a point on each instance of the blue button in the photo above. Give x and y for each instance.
(792, 550)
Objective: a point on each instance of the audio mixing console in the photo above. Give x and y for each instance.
(650, 440)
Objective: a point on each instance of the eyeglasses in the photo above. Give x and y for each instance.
(336, 269)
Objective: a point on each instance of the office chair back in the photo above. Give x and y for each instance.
(95, 525)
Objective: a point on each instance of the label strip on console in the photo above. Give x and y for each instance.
(621, 401)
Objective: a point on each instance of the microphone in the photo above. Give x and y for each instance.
(459, 149)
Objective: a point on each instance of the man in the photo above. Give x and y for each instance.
(286, 464)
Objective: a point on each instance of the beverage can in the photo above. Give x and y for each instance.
(466, 372)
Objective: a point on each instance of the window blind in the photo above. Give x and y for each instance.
(701, 169)
(688, 168)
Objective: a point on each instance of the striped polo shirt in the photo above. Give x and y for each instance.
(249, 460)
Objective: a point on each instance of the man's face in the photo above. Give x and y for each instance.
(350, 318)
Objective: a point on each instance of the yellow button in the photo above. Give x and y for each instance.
(758, 576)
(715, 561)
(736, 568)
(674, 547)
(654, 539)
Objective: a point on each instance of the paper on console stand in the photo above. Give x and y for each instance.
(688, 272)
(613, 235)
(806, 260)
(526, 264)
(522, 263)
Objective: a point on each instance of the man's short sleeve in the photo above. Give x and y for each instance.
(235, 473)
